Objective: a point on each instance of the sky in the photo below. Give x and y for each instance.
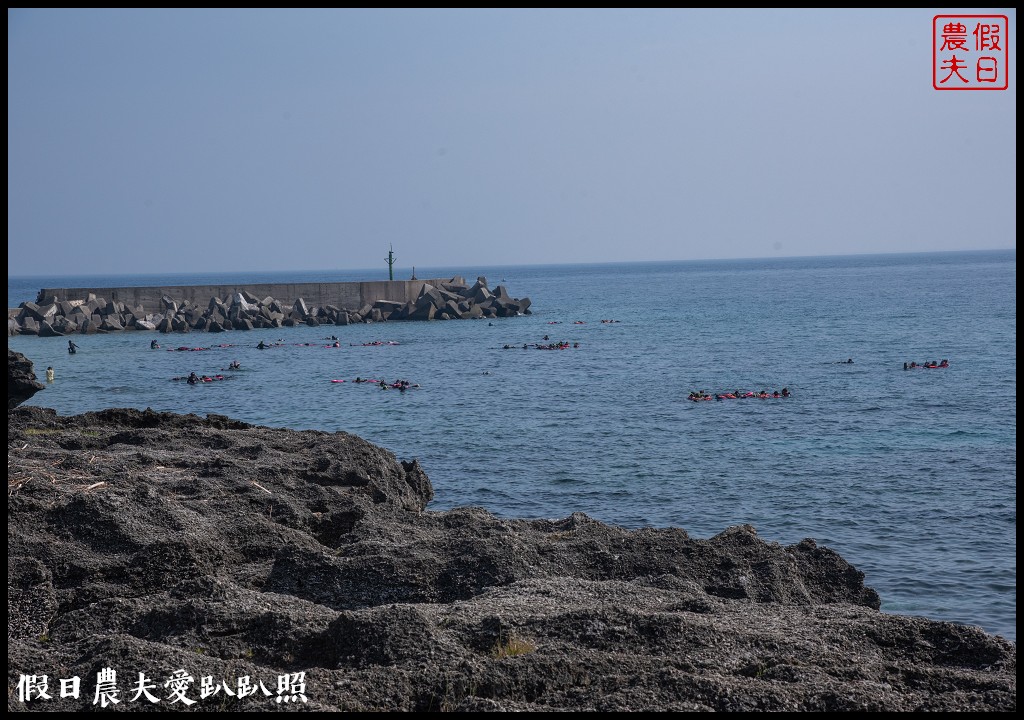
(217, 140)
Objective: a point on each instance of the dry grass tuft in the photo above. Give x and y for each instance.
(513, 647)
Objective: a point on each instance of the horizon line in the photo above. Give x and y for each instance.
(539, 265)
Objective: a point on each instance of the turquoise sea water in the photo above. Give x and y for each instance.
(909, 475)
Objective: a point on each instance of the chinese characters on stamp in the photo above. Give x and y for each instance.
(970, 52)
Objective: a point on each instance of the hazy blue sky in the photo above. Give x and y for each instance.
(220, 140)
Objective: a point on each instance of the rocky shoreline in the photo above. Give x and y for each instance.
(165, 544)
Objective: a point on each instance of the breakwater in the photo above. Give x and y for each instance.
(216, 308)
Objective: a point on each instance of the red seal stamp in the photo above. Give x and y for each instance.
(970, 52)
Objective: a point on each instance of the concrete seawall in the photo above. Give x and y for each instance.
(339, 294)
(217, 308)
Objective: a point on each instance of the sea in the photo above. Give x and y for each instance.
(910, 475)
